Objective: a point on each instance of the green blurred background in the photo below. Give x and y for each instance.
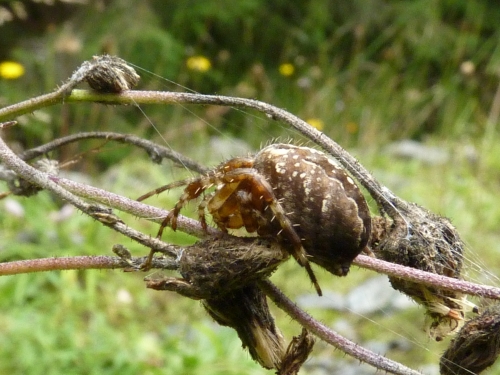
(410, 87)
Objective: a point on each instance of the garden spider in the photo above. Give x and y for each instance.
(296, 193)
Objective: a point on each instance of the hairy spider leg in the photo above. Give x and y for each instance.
(163, 188)
(227, 216)
(195, 186)
(237, 210)
(262, 194)
(201, 210)
(236, 163)
(192, 191)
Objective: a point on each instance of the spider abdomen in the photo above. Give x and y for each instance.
(324, 205)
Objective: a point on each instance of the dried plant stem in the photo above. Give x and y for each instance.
(47, 182)
(155, 151)
(331, 337)
(60, 264)
(68, 190)
(99, 262)
(427, 278)
(384, 197)
(139, 209)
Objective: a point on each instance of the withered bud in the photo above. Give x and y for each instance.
(224, 264)
(217, 266)
(297, 353)
(222, 272)
(246, 310)
(476, 347)
(428, 242)
(110, 74)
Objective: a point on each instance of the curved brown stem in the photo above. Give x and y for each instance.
(155, 151)
(330, 336)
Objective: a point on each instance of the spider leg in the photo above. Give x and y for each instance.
(263, 195)
(201, 210)
(192, 191)
(251, 218)
(163, 188)
(195, 186)
(236, 163)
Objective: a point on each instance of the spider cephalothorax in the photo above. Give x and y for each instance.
(296, 193)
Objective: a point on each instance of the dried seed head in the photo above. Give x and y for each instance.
(222, 272)
(218, 266)
(427, 242)
(297, 353)
(246, 311)
(476, 347)
(110, 74)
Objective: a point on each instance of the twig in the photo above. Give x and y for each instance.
(155, 151)
(427, 278)
(331, 337)
(45, 181)
(380, 193)
(139, 209)
(99, 262)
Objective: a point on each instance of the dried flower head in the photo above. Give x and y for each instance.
(428, 242)
(476, 346)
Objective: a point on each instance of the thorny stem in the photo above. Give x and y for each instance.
(384, 197)
(426, 278)
(45, 181)
(104, 197)
(139, 209)
(155, 151)
(67, 190)
(330, 336)
(100, 262)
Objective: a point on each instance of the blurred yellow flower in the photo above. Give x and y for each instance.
(316, 123)
(286, 69)
(351, 127)
(198, 63)
(11, 70)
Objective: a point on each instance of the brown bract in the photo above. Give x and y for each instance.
(223, 272)
(476, 347)
(246, 311)
(428, 242)
(214, 267)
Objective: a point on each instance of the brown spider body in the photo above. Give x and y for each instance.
(296, 193)
(324, 205)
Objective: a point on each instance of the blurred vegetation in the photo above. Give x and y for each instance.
(390, 69)
(366, 72)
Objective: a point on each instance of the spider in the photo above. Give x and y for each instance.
(295, 193)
